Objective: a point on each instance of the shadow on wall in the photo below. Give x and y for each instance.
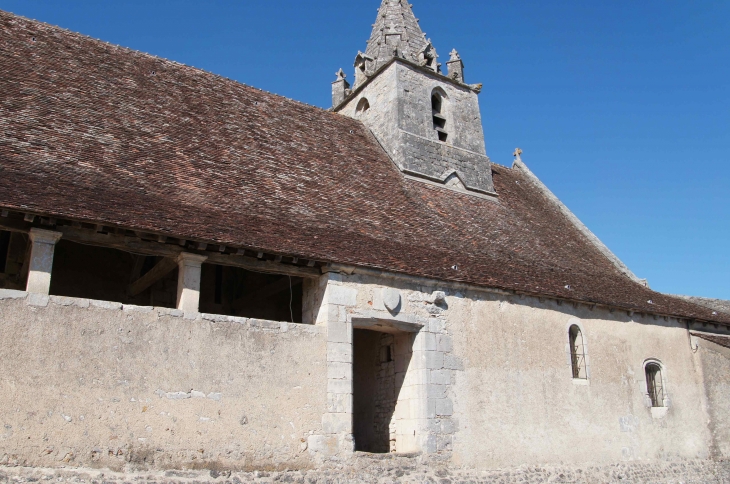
(380, 364)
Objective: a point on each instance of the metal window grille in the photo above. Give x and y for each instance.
(577, 353)
(655, 385)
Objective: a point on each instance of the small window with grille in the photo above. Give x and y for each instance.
(655, 384)
(577, 353)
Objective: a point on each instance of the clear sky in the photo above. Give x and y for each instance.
(622, 107)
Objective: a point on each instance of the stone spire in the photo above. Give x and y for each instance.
(396, 33)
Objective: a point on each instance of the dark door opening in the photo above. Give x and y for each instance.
(379, 366)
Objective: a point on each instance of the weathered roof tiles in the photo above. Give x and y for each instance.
(88, 132)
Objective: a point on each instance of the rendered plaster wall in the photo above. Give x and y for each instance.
(715, 361)
(518, 404)
(490, 385)
(96, 384)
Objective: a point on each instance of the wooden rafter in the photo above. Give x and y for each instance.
(160, 270)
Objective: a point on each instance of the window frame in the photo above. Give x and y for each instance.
(576, 342)
(440, 120)
(585, 379)
(362, 107)
(657, 397)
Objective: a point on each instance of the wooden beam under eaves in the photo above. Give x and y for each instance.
(136, 245)
(160, 270)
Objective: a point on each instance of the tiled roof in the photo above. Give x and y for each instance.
(95, 132)
(719, 339)
(719, 305)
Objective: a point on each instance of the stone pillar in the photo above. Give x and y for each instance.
(41, 260)
(336, 437)
(425, 409)
(188, 281)
(456, 67)
(340, 89)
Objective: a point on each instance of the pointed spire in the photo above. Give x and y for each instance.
(396, 33)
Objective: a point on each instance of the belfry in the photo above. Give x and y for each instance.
(426, 119)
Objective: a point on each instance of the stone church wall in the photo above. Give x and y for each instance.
(94, 384)
(481, 380)
(518, 403)
(493, 386)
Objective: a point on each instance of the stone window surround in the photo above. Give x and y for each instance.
(656, 412)
(577, 322)
(363, 106)
(444, 112)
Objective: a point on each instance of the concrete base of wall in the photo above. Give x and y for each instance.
(393, 469)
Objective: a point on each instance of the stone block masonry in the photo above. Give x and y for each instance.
(332, 300)
(401, 118)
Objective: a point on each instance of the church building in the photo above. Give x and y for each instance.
(197, 274)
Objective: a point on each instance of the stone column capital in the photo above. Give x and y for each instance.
(189, 259)
(45, 236)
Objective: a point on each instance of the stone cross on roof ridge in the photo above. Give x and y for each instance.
(396, 33)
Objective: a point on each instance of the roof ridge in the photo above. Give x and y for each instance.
(153, 56)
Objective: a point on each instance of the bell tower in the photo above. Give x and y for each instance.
(427, 120)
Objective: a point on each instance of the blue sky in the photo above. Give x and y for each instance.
(622, 108)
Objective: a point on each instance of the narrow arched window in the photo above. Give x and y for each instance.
(655, 384)
(439, 121)
(362, 106)
(577, 353)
